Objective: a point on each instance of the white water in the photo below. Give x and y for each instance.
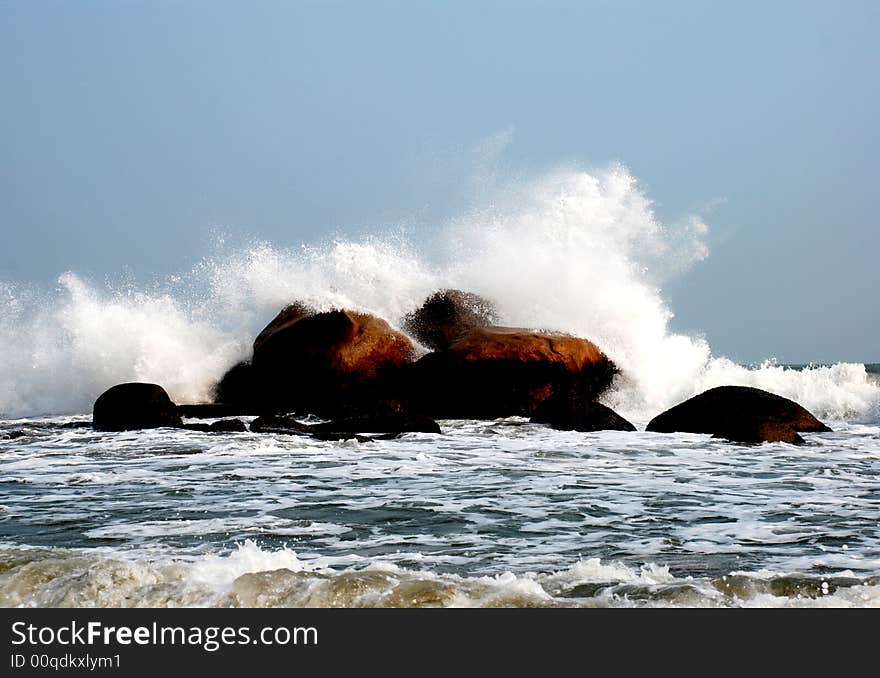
(575, 251)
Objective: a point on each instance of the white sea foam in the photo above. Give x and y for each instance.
(254, 577)
(575, 251)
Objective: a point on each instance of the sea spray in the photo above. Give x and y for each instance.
(575, 251)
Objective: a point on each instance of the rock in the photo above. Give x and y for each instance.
(204, 428)
(131, 406)
(761, 432)
(567, 411)
(491, 372)
(221, 426)
(228, 426)
(325, 362)
(279, 424)
(446, 315)
(238, 390)
(212, 411)
(388, 423)
(741, 414)
(288, 315)
(389, 420)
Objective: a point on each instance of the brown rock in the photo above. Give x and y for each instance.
(761, 432)
(446, 315)
(326, 361)
(288, 315)
(493, 372)
(741, 414)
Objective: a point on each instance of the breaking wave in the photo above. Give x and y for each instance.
(253, 577)
(575, 251)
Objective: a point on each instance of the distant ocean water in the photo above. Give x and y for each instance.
(489, 513)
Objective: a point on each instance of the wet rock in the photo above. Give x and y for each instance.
(204, 428)
(288, 316)
(324, 362)
(569, 411)
(211, 411)
(237, 391)
(221, 426)
(739, 414)
(133, 406)
(280, 424)
(761, 432)
(491, 372)
(229, 426)
(387, 423)
(446, 315)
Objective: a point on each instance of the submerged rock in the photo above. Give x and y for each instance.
(446, 315)
(568, 411)
(389, 424)
(739, 414)
(383, 423)
(229, 426)
(761, 432)
(133, 406)
(211, 411)
(271, 423)
(491, 372)
(221, 426)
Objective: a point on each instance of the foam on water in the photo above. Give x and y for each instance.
(253, 577)
(573, 250)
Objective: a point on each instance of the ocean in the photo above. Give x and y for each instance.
(487, 513)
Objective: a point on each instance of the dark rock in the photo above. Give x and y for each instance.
(446, 315)
(212, 411)
(238, 390)
(286, 317)
(229, 426)
(325, 362)
(399, 423)
(134, 406)
(204, 428)
(567, 411)
(77, 424)
(761, 432)
(279, 424)
(221, 426)
(494, 372)
(741, 414)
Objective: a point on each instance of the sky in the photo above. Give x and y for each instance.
(131, 131)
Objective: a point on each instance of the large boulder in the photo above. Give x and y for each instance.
(491, 372)
(238, 389)
(326, 362)
(286, 317)
(570, 411)
(126, 407)
(446, 315)
(740, 414)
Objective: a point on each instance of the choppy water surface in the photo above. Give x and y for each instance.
(489, 513)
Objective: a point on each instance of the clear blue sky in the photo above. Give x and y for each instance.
(129, 130)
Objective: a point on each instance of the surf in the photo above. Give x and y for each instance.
(572, 250)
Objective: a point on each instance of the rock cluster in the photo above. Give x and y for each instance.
(368, 378)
